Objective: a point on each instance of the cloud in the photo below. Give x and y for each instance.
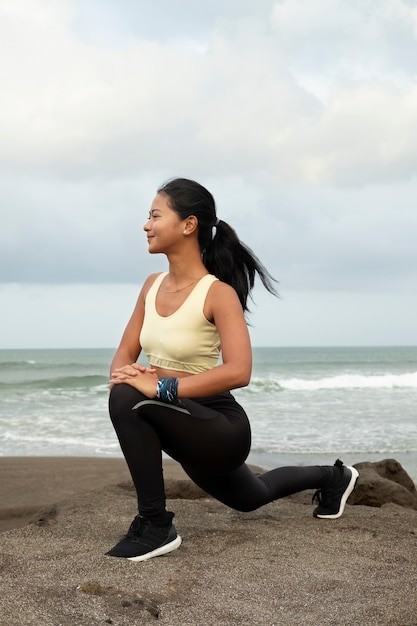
(299, 115)
(360, 239)
(70, 107)
(73, 231)
(356, 40)
(245, 101)
(367, 134)
(338, 239)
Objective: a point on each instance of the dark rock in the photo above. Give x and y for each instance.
(383, 482)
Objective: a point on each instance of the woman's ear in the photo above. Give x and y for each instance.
(190, 225)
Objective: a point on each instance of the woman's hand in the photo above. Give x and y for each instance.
(142, 378)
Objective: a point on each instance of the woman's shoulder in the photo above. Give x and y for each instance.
(152, 278)
(149, 281)
(221, 292)
(220, 286)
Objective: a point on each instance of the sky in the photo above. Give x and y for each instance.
(300, 116)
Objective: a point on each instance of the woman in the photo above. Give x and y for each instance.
(182, 403)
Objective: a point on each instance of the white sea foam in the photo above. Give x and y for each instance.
(342, 381)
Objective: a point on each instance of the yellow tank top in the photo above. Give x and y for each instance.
(184, 341)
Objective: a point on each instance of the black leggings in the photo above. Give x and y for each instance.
(210, 438)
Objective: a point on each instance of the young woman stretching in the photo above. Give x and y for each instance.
(182, 403)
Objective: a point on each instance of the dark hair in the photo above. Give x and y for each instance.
(223, 254)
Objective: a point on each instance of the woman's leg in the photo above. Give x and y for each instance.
(141, 448)
(211, 440)
(196, 435)
(243, 490)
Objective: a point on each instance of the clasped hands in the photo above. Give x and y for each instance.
(142, 378)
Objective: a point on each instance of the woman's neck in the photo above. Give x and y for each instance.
(182, 269)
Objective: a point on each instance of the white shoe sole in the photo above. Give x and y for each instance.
(169, 547)
(348, 491)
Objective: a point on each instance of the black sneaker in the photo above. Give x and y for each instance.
(144, 540)
(332, 499)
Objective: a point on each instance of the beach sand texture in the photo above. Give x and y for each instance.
(275, 566)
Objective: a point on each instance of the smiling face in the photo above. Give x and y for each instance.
(164, 229)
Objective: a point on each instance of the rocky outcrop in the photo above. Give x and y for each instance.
(383, 482)
(379, 483)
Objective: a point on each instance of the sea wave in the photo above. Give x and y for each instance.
(342, 381)
(62, 382)
(7, 365)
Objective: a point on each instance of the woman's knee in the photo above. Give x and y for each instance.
(122, 399)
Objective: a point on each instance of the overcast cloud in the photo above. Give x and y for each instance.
(300, 116)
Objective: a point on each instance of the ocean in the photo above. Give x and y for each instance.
(306, 405)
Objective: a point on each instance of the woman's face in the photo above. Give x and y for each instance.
(164, 228)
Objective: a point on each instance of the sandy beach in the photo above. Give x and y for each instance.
(275, 566)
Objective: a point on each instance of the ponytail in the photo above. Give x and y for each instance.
(235, 264)
(223, 254)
